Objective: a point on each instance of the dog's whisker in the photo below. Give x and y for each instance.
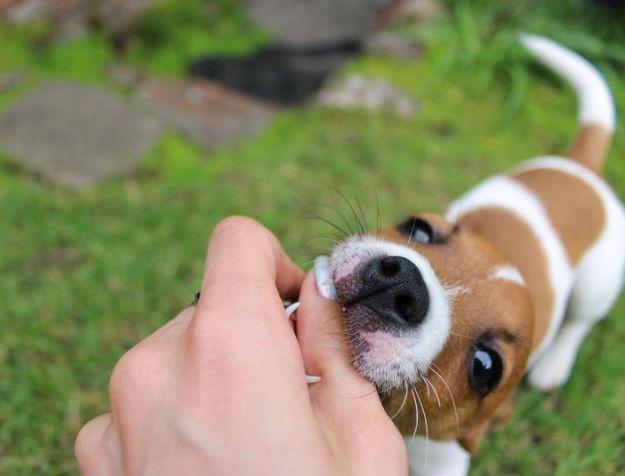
(460, 335)
(402, 404)
(427, 430)
(336, 210)
(332, 224)
(323, 238)
(357, 223)
(342, 216)
(378, 224)
(416, 410)
(451, 395)
(412, 227)
(427, 381)
(362, 213)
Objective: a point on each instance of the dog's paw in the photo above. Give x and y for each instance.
(551, 371)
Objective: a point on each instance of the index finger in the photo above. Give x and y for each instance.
(246, 263)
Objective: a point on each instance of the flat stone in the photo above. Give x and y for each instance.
(308, 22)
(358, 92)
(393, 46)
(9, 81)
(76, 135)
(23, 11)
(119, 16)
(211, 115)
(420, 11)
(126, 76)
(73, 18)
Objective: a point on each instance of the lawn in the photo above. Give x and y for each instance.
(86, 274)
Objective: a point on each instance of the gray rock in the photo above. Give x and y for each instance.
(358, 92)
(420, 11)
(76, 135)
(306, 22)
(9, 81)
(209, 114)
(119, 16)
(24, 11)
(74, 18)
(126, 76)
(393, 46)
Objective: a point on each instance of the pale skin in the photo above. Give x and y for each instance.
(220, 389)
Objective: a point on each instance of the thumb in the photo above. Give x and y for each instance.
(321, 333)
(346, 403)
(325, 348)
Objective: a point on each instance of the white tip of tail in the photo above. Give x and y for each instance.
(596, 105)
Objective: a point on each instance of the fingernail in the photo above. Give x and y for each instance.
(323, 278)
(310, 379)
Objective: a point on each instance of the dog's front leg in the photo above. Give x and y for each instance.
(436, 458)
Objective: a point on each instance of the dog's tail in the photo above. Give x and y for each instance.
(596, 107)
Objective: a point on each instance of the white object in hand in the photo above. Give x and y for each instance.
(323, 276)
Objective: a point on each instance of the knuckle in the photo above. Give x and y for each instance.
(239, 228)
(131, 375)
(87, 439)
(237, 224)
(226, 332)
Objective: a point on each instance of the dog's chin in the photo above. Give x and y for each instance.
(380, 349)
(375, 346)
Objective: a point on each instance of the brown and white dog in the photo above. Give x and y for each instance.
(449, 312)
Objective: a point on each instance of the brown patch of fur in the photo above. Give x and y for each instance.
(574, 208)
(590, 147)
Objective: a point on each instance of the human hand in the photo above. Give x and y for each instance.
(220, 389)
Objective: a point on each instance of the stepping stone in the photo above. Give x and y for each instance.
(307, 22)
(211, 115)
(126, 76)
(389, 45)
(73, 18)
(119, 16)
(358, 92)
(76, 135)
(420, 11)
(9, 81)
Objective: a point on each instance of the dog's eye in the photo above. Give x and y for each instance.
(418, 230)
(486, 369)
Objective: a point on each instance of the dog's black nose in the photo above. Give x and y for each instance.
(393, 288)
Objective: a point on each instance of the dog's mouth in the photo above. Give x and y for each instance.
(396, 311)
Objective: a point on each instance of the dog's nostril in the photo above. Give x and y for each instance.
(403, 304)
(389, 267)
(393, 287)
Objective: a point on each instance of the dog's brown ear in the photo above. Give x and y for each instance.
(471, 437)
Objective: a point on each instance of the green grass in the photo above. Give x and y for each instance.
(85, 274)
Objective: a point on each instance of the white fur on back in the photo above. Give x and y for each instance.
(595, 100)
(505, 193)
